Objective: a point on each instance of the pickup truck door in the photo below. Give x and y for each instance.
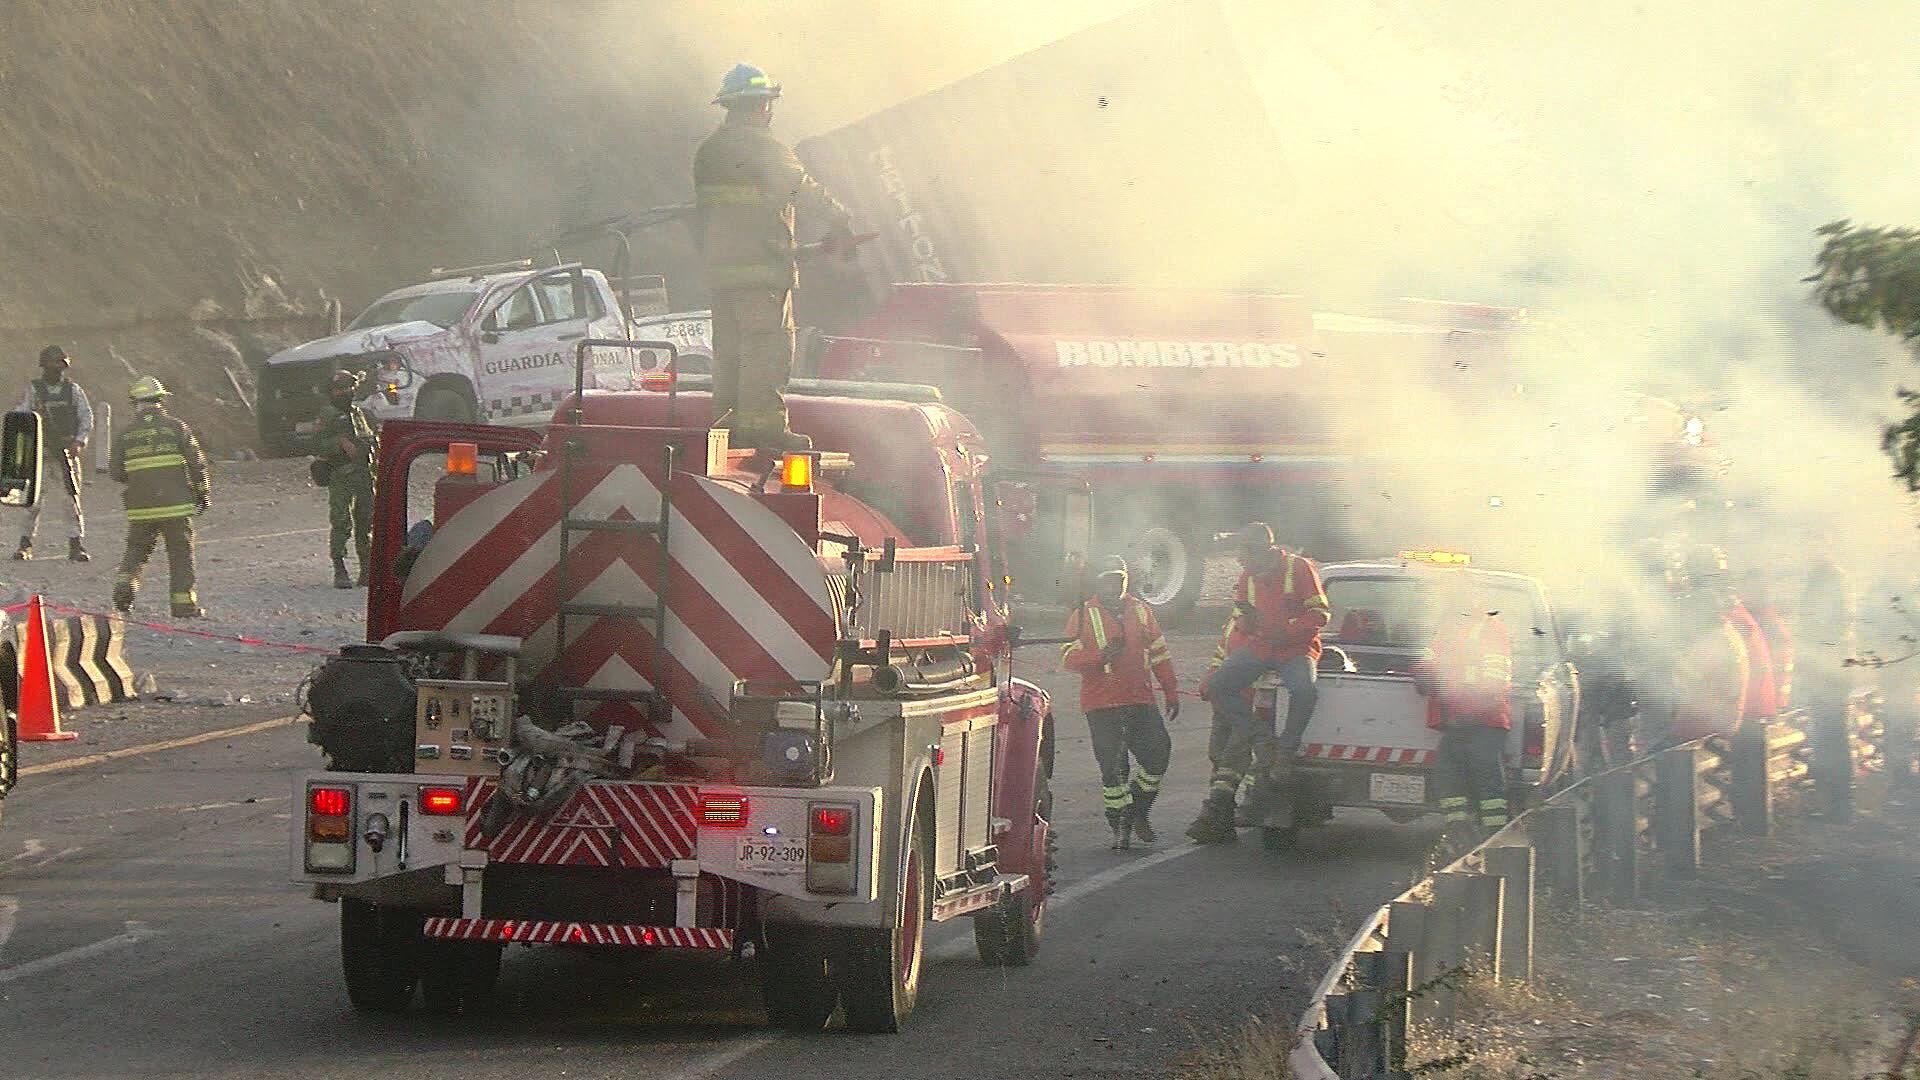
(526, 359)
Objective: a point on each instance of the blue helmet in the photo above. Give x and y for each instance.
(746, 83)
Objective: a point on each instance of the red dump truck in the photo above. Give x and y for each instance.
(625, 687)
(1189, 413)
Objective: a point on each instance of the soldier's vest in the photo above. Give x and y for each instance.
(59, 408)
(158, 484)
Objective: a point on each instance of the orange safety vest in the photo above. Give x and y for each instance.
(1142, 647)
(1290, 609)
(1472, 669)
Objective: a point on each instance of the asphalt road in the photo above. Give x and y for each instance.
(147, 929)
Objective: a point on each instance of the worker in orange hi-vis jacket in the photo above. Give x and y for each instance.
(1279, 610)
(1467, 676)
(1116, 646)
(1712, 671)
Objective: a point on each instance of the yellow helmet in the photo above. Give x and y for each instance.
(146, 388)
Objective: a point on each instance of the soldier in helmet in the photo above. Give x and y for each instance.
(745, 185)
(68, 420)
(1116, 646)
(160, 461)
(345, 442)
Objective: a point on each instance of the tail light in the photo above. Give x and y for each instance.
(830, 861)
(1533, 743)
(330, 830)
(723, 810)
(463, 459)
(441, 800)
(657, 381)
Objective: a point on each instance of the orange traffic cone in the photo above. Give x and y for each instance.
(39, 706)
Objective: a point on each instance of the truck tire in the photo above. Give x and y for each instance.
(444, 403)
(878, 971)
(1168, 564)
(795, 984)
(380, 955)
(455, 976)
(1009, 934)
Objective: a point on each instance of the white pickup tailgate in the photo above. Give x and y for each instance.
(1376, 719)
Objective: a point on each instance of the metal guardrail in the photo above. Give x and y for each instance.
(1602, 837)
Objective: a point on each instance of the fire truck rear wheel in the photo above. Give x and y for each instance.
(879, 970)
(455, 976)
(1169, 564)
(380, 955)
(794, 982)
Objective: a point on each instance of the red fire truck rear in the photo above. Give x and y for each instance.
(626, 687)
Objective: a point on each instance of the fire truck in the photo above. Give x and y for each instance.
(1200, 410)
(626, 687)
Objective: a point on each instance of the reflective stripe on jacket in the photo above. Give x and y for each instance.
(1470, 665)
(745, 183)
(160, 462)
(1289, 610)
(1141, 648)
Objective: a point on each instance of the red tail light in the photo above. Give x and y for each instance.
(659, 381)
(832, 820)
(329, 801)
(1534, 744)
(440, 800)
(724, 811)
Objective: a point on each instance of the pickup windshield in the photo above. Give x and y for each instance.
(1400, 611)
(442, 309)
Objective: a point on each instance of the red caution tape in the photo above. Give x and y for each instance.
(166, 628)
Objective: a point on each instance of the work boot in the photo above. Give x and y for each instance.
(189, 611)
(76, 551)
(25, 554)
(341, 579)
(1260, 799)
(1122, 836)
(1143, 829)
(1215, 823)
(123, 598)
(360, 582)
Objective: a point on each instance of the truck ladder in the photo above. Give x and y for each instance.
(658, 711)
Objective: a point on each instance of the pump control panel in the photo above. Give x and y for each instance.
(461, 726)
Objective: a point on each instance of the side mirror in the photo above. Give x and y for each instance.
(20, 438)
(491, 337)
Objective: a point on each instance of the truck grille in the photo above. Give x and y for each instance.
(294, 394)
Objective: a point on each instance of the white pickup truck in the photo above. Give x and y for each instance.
(1368, 744)
(486, 344)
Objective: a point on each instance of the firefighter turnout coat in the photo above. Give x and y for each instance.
(745, 185)
(1288, 609)
(162, 465)
(1115, 653)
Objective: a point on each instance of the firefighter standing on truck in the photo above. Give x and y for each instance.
(745, 185)
(160, 461)
(346, 442)
(1467, 677)
(1279, 609)
(68, 424)
(1117, 644)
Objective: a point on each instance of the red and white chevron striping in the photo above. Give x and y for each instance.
(530, 932)
(604, 823)
(1378, 755)
(747, 597)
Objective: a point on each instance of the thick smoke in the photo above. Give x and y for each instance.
(1645, 179)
